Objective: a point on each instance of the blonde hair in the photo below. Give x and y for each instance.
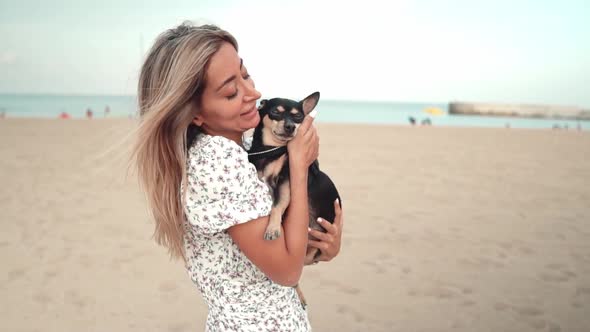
(171, 82)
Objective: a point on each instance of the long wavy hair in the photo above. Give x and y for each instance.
(171, 83)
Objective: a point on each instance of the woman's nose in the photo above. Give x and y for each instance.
(251, 92)
(254, 94)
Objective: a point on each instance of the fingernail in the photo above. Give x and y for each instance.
(320, 220)
(308, 229)
(313, 113)
(337, 201)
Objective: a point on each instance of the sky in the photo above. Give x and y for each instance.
(506, 51)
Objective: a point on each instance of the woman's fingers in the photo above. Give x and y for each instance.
(305, 125)
(329, 242)
(329, 227)
(316, 144)
(312, 141)
(323, 246)
(304, 147)
(320, 235)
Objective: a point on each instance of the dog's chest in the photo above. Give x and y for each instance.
(270, 172)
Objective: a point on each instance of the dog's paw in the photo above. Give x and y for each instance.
(272, 233)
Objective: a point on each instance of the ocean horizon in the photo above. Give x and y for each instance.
(329, 111)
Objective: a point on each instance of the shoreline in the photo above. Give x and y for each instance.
(362, 124)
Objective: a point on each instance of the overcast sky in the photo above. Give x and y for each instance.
(418, 50)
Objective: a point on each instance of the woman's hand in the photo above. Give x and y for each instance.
(329, 244)
(304, 147)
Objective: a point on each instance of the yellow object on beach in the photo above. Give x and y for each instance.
(433, 111)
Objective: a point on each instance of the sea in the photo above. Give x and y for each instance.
(329, 111)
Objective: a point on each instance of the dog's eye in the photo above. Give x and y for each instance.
(298, 116)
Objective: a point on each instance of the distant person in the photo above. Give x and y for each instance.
(64, 115)
(2, 115)
(426, 122)
(107, 111)
(412, 120)
(89, 113)
(507, 125)
(556, 126)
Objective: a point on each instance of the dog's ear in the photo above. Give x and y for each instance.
(310, 102)
(262, 103)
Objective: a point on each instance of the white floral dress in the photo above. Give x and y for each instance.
(224, 190)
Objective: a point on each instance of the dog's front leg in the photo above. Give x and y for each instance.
(273, 230)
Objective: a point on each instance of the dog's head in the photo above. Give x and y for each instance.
(281, 118)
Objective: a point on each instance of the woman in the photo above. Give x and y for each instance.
(196, 100)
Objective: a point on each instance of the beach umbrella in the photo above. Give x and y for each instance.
(433, 111)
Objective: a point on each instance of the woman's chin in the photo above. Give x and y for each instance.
(252, 123)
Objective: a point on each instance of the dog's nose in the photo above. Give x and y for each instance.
(289, 127)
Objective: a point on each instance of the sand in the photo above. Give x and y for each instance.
(446, 229)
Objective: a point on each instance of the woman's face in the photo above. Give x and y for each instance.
(228, 103)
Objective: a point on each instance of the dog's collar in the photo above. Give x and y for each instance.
(271, 152)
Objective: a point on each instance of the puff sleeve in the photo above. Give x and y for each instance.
(223, 186)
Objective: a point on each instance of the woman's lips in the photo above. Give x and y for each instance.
(250, 112)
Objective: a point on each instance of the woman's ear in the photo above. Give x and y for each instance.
(198, 120)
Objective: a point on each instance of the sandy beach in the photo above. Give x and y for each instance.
(446, 229)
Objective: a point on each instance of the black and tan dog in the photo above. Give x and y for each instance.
(280, 119)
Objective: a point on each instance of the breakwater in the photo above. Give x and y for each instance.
(519, 110)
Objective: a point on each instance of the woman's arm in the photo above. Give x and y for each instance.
(282, 259)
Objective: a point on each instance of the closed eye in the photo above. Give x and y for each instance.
(245, 77)
(232, 96)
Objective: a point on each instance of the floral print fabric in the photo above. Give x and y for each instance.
(224, 190)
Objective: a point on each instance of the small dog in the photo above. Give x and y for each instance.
(280, 119)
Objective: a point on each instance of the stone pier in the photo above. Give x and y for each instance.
(520, 110)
